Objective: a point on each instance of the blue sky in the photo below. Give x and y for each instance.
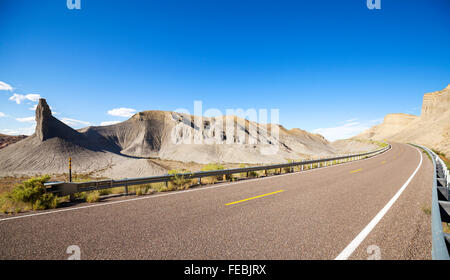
(335, 67)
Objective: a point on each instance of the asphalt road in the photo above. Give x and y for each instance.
(305, 215)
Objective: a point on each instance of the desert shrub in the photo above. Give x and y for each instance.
(243, 174)
(158, 187)
(151, 191)
(213, 167)
(7, 205)
(273, 171)
(81, 196)
(105, 191)
(46, 201)
(439, 153)
(179, 181)
(143, 189)
(446, 227)
(163, 189)
(32, 191)
(286, 169)
(140, 191)
(251, 174)
(93, 197)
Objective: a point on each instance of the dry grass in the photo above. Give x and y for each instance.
(446, 227)
(93, 197)
(446, 160)
(426, 210)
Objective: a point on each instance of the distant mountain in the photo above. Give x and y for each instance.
(126, 149)
(431, 128)
(6, 140)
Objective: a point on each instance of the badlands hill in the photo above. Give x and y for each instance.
(6, 140)
(431, 128)
(128, 149)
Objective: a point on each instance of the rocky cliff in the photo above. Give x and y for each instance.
(431, 128)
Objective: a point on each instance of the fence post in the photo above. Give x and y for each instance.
(70, 169)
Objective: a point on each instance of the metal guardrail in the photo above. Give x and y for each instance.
(70, 188)
(440, 207)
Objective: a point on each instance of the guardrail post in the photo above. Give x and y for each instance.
(200, 181)
(126, 189)
(70, 169)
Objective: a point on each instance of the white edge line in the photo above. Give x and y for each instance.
(181, 192)
(346, 253)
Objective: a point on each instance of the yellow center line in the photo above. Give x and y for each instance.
(356, 170)
(383, 162)
(231, 203)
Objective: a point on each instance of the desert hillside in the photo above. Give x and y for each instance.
(132, 148)
(431, 128)
(6, 140)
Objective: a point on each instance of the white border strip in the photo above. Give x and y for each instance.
(191, 190)
(346, 253)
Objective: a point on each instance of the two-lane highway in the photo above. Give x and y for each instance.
(314, 214)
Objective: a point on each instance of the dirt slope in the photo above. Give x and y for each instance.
(6, 140)
(48, 150)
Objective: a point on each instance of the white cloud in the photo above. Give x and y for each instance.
(33, 97)
(27, 119)
(109, 123)
(352, 120)
(2, 114)
(18, 98)
(73, 122)
(347, 130)
(19, 131)
(122, 112)
(5, 86)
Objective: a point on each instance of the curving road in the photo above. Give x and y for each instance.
(318, 214)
